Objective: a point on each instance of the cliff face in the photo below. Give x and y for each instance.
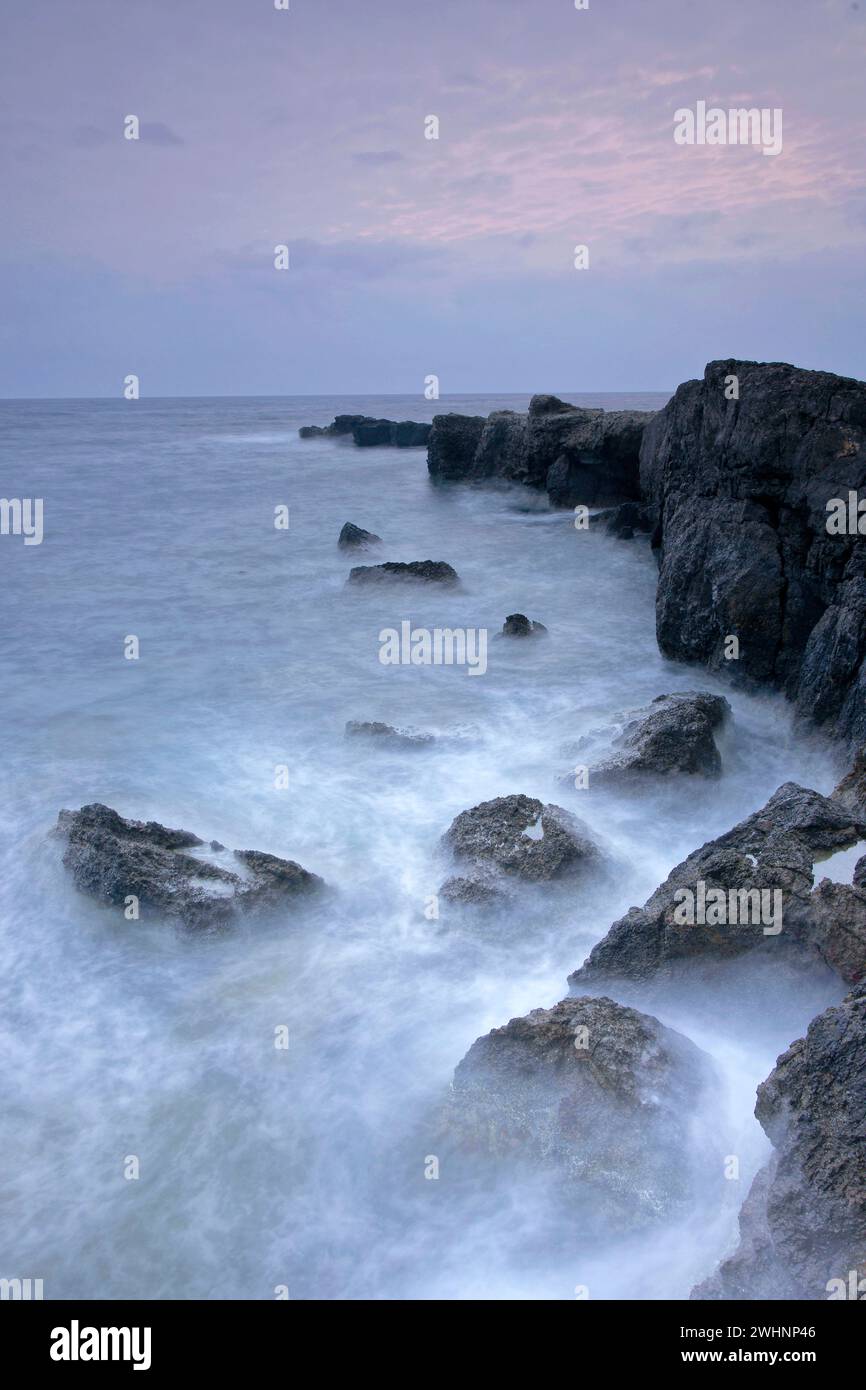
(739, 491)
(578, 456)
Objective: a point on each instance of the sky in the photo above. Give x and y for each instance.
(305, 127)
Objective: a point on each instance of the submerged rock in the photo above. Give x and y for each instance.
(672, 736)
(422, 571)
(354, 537)
(771, 852)
(475, 891)
(599, 1094)
(518, 625)
(375, 729)
(520, 836)
(803, 1225)
(112, 858)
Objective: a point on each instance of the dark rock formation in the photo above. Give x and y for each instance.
(367, 431)
(419, 571)
(518, 625)
(577, 455)
(386, 733)
(851, 791)
(356, 538)
(595, 1092)
(623, 521)
(520, 836)
(774, 849)
(672, 736)
(112, 858)
(803, 1225)
(739, 493)
(454, 440)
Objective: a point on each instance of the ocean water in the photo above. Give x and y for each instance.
(262, 1168)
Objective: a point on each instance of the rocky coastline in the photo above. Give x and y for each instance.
(734, 483)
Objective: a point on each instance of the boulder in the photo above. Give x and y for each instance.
(475, 891)
(521, 837)
(387, 734)
(673, 736)
(112, 858)
(597, 1094)
(803, 1225)
(518, 625)
(414, 571)
(738, 490)
(772, 850)
(356, 538)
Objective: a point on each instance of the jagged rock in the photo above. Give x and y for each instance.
(374, 729)
(774, 849)
(598, 1094)
(520, 836)
(803, 1226)
(367, 431)
(578, 455)
(851, 791)
(112, 858)
(837, 926)
(738, 490)
(423, 571)
(356, 538)
(518, 625)
(672, 736)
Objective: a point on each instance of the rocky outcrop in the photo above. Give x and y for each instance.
(598, 1094)
(803, 1225)
(518, 625)
(739, 492)
(772, 851)
(674, 736)
(367, 431)
(519, 836)
(453, 442)
(171, 872)
(576, 455)
(356, 538)
(413, 571)
(387, 734)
